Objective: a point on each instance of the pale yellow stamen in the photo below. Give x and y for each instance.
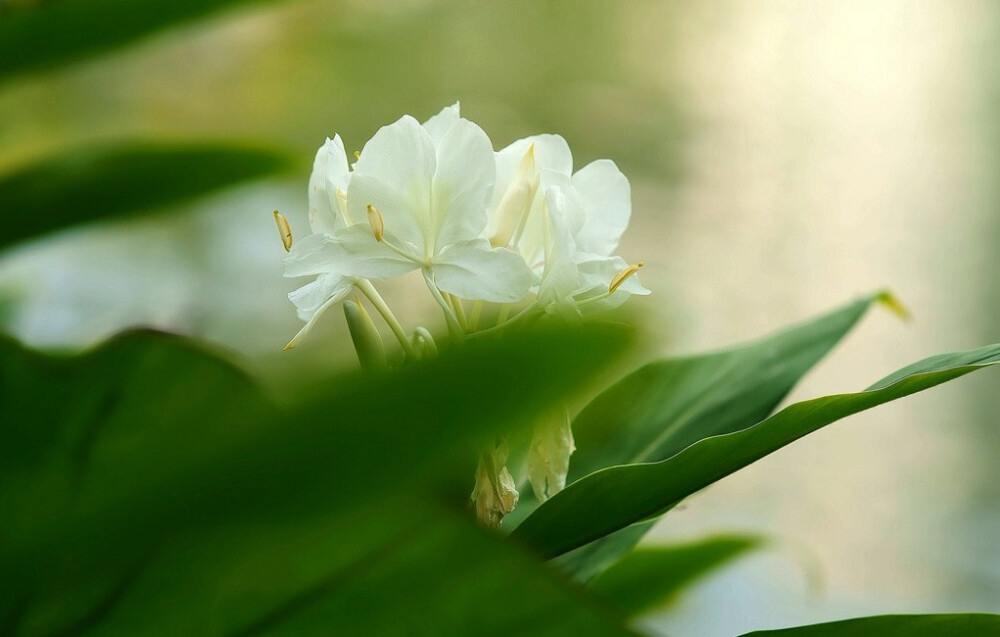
(284, 229)
(376, 222)
(357, 154)
(623, 275)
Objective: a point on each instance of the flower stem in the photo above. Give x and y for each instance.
(379, 303)
(477, 310)
(527, 312)
(456, 304)
(454, 328)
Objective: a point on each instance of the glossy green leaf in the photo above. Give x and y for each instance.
(148, 453)
(667, 405)
(614, 498)
(42, 35)
(104, 183)
(650, 576)
(957, 625)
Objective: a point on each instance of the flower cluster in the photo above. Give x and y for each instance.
(516, 232)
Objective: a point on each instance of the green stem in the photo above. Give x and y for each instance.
(454, 328)
(379, 303)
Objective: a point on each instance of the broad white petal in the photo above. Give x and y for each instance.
(607, 205)
(330, 172)
(351, 251)
(463, 183)
(438, 125)
(476, 270)
(395, 174)
(310, 255)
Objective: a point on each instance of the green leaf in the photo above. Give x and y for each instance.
(665, 406)
(159, 469)
(46, 34)
(614, 498)
(957, 625)
(652, 575)
(112, 182)
(668, 405)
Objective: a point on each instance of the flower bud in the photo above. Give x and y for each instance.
(367, 340)
(495, 494)
(516, 200)
(548, 457)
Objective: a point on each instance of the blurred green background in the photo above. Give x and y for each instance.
(784, 157)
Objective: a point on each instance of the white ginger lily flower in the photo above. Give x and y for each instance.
(428, 189)
(566, 225)
(416, 200)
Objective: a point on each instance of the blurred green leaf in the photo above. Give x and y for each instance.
(668, 405)
(958, 625)
(614, 498)
(45, 34)
(651, 575)
(103, 183)
(123, 464)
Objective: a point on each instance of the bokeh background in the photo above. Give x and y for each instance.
(785, 157)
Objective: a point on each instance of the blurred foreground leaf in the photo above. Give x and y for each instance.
(957, 625)
(149, 486)
(104, 183)
(41, 35)
(651, 575)
(614, 498)
(667, 405)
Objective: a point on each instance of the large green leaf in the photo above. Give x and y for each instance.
(652, 575)
(613, 498)
(667, 405)
(133, 476)
(957, 625)
(45, 34)
(103, 183)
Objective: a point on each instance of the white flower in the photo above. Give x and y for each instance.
(565, 225)
(416, 199)
(431, 196)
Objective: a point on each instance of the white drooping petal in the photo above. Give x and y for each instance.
(309, 298)
(330, 174)
(548, 456)
(351, 251)
(463, 184)
(438, 125)
(313, 299)
(606, 204)
(395, 174)
(476, 270)
(560, 277)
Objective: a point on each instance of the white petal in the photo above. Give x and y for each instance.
(312, 296)
(607, 200)
(476, 270)
(334, 288)
(394, 174)
(438, 125)
(596, 273)
(463, 183)
(310, 255)
(330, 172)
(351, 251)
